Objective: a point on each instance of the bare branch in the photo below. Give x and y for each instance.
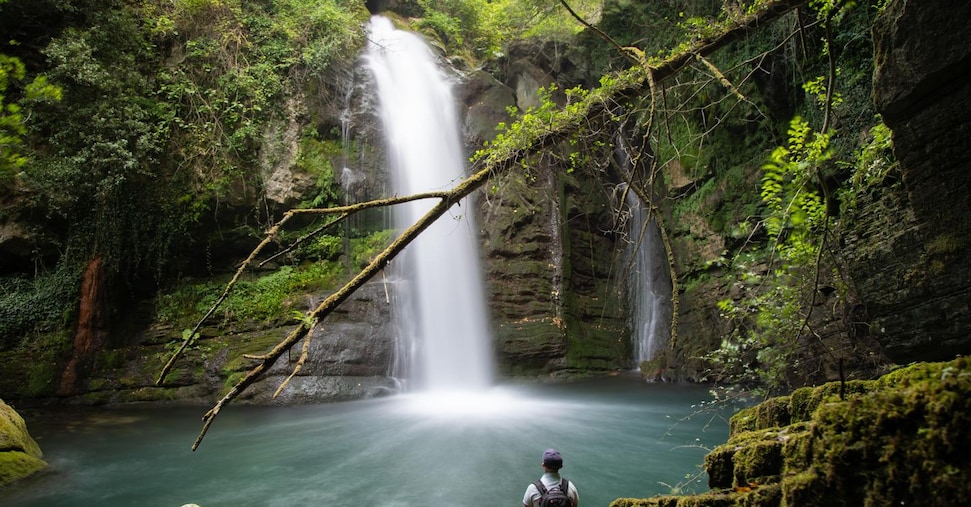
(564, 125)
(271, 233)
(334, 300)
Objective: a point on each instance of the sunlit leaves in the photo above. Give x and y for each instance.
(791, 194)
(548, 117)
(12, 121)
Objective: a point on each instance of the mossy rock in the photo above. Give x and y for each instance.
(20, 456)
(771, 413)
(804, 488)
(897, 440)
(806, 400)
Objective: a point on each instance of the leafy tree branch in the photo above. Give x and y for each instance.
(532, 133)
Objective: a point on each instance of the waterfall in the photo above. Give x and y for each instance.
(439, 307)
(646, 303)
(649, 281)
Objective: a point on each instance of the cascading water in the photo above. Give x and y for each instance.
(649, 283)
(645, 302)
(444, 343)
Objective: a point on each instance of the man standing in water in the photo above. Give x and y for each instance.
(556, 489)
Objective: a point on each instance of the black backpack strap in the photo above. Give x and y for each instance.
(540, 487)
(565, 486)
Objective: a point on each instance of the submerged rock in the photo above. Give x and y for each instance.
(20, 456)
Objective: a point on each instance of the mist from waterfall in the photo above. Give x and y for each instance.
(439, 307)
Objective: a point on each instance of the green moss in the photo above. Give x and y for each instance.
(754, 462)
(15, 465)
(944, 245)
(901, 444)
(20, 455)
(110, 359)
(804, 488)
(720, 466)
(797, 447)
(47, 355)
(316, 158)
(806, 400)
(743, 420)
(773, 413)
(898, 440)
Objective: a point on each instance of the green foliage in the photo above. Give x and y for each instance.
(654, 27)
(795, 207)
(137, 154)
(44, 303)
(448, 20)
(481, 27)
(365, 248)
(532, 124)
(13, 126)
(763, 349)
(100, 147)
(315, 157)
(11, 122)
(323, 32)
(782, 268)
(875, 159)
(320, 247)
(267, 299)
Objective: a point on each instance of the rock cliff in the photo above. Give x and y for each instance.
(911, 252)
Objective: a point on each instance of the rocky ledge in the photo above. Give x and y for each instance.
(897, 440)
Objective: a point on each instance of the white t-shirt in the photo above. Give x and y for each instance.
(532, 496)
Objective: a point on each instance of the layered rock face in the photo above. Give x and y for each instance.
(349, 357)
(551, 253)
(912, 252)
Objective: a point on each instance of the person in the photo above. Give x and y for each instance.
(552, 462)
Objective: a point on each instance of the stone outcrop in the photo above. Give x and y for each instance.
(911, 252)
(898, 440)
(20, 456)
(549, 240)
(349, 358)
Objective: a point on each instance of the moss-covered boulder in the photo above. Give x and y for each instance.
(897, 440)
(20, 455)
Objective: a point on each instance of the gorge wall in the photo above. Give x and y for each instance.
(554, 247)
(911, 249)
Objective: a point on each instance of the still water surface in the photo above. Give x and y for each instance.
(619, 438)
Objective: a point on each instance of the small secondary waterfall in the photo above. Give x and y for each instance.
(646, 303)
(649, 282)
(444, 343)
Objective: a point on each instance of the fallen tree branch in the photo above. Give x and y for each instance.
(271, 233)
(334, 300)
(502, 157)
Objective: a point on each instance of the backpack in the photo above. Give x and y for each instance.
(556, 496)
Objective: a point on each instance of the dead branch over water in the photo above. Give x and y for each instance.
(648, 77)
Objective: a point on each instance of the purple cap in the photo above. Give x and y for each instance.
(552, 458)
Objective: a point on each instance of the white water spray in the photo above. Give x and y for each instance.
(444, 343)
